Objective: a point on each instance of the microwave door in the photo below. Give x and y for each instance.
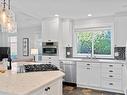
(49, 51)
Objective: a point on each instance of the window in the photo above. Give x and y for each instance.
(97, 42)
(13, 45)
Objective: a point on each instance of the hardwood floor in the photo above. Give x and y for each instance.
(70, 90)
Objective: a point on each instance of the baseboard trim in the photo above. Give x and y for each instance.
(70, 84)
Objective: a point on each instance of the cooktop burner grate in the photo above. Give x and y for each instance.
(40, 67)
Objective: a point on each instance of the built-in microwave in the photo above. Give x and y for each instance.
(50, 48)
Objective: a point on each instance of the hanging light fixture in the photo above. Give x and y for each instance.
(7, 18)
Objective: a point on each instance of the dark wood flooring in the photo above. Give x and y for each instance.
(70, 90)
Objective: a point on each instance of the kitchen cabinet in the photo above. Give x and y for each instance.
(51, 60)
(54, 88)
(101, 76)
(67, 33)
(50, 29)
(88, 74)
(111, 76)
(120, 31)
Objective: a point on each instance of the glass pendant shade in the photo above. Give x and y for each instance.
(7, 18)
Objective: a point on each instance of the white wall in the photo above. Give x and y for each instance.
(31, 32)
(3, 39)
(119, 23)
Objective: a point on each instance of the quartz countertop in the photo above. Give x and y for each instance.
(25, 83)
(94, 60)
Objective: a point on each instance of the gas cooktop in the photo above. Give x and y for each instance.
(40, 67)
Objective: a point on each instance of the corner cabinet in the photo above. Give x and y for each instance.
(54, 88)
(67, 33)
(50, 28)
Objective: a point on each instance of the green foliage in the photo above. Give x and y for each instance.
(84, 44)
(101, 42)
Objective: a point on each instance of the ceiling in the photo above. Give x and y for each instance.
(39, 9)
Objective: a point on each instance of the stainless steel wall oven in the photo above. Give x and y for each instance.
(50, 48)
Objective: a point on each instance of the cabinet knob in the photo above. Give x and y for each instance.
(110, 71)
(49, 57)
(110, 83)
(87, 64)
(110, 76)
(46, 89)
(49, 40)
(88, 68)
(110, 65)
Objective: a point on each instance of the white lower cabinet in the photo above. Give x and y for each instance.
(88, 74)
(51, 60)
(101, 76)
(112, 76)
(54, 88)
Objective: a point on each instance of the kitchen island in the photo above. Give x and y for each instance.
(32, 83)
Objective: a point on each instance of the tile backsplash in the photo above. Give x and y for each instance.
(119, 53)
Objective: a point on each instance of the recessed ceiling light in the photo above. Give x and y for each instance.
(89, 14)
(56, 15)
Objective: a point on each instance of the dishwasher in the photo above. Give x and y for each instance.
(69, 68)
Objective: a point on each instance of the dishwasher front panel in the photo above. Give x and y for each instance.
(69, 69)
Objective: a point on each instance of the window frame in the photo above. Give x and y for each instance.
(13, 42)
(92, 29)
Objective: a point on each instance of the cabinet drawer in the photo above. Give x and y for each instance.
(84, 64)
(111, 70)
(111, 76)
(112, 84)
(107, 65)
(49, 58)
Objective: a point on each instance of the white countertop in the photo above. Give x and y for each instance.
(24, 83)
(94, 60)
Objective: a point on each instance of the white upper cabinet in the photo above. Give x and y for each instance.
(50, 29)
(121, 31)
(67, 33)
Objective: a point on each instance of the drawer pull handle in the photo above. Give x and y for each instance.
(110, 65)
(110, 76)
(46, 89)
(88, 68)
(87, 64)
(49, 62)
(110, 83)
(110, 71)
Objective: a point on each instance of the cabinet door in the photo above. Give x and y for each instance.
(45, 32)
(88, 75)
(67, 33)
(95, 77)
(120, 31)
(83, 74)
(55, 88)
(50, 29)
